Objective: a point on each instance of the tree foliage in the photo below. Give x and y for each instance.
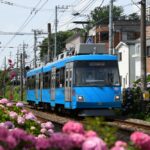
(101, 14)
(61, 38)
(134, 16)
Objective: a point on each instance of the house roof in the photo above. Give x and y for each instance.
(133, 42)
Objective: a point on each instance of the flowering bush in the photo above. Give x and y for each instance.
(41, 136)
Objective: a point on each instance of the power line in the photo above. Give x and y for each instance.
(135, 4)
(81, 11)
(21, 6)
(28, 19)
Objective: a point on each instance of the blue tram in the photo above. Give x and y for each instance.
(87, 84)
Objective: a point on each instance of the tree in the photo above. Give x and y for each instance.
(100, 15)
(62, 36)
(134, 16)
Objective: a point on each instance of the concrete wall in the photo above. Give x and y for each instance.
(124, 65)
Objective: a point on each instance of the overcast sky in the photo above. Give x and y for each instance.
(25, 15)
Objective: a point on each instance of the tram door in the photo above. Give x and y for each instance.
(68, 81)
(53, 82)
(36, 86)
(41, 85)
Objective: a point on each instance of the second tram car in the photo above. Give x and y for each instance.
(87, 84)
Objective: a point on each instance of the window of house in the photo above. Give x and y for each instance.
(97, 37)
(137, 49)
(148, 51)
(104, 36)
(132, 35)
(119, 56)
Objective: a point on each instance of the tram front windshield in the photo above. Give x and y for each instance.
(96, 73)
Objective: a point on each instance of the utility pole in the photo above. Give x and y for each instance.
(111, 27)
(17, 65)
(55, 47)
(56, 21)
(4, 81)
(49, 42)
(24, 57)
(35, 47)
(21, 77)
(143, 45)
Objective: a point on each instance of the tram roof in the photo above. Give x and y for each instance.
(34, 71)
(62, 62)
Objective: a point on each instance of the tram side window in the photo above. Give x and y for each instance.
(39, 85)
(28, 83)
(31, 82)
(62, 77)
(46, 80)
(57, 78)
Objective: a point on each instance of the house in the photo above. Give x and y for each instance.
(129, 61)
(73, 41)
(123, 30)
(126, 62)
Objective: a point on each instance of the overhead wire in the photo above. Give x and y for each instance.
(69, 21)
(26, 22)
(53, 24)
(135, 4)
(20, 6)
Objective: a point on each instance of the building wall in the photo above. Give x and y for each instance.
(74, 43)
(148, 31)
(121, 32)
(148, 65)
(131, 64)
(124, 65)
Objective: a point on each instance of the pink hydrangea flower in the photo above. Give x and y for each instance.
(94, 143)
(9, 104)
(49, 125)
(24, 111)
(2, 124)
(61, 141)
(11, 142)
(140, 139)
(73, 127)
(77, 139)
(120, 144)
(20, 104)
(1, 148)
(30, 116)
(20, 120)
(41, 136)
(43, 130)
(4, 101)
(90, 133)
(13, 114)
(118, 148)
(50, 132)
(42, 143)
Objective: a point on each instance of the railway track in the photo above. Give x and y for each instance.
(129, 125)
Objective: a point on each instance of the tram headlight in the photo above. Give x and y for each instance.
(80, 99)
(117, 97)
